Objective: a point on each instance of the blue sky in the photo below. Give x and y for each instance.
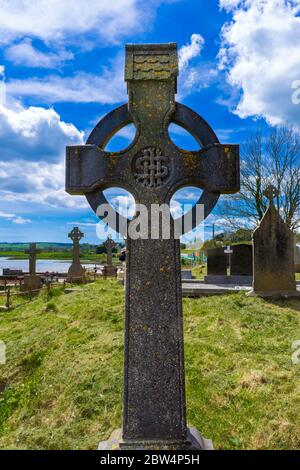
(61, 70)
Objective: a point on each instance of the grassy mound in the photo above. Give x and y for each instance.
(61, 387)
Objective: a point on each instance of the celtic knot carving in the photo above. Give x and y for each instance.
(151, 168)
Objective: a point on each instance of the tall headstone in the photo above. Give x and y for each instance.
(152, 169)
(32, 281)
(76, 271)
(109, 270)
(273, 254)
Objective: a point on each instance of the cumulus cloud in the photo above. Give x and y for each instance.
(66, 20)
(189, 51)
(26, 55)
(260, 54)
(34, 133)
(194, 75)
(33, 142)
(40, 183)
(107, 88)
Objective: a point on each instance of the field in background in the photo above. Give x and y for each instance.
(61, 387)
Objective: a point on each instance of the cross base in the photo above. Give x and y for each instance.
(194, 441)
(110, 271)
(76, 273)
(32, 282)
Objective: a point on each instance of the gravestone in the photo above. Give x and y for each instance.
(239, 257)
(109, 270)
(152, 168)
(216, 262)
(32, 282)
(7, 272)
(242, 260)
(273, 254)
(186, 274)
(216, 266)
(76, 271)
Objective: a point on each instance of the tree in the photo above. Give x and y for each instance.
(271, 159)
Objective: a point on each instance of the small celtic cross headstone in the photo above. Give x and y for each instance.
(76, 270)
(271, 192)
(109, 245)
(152, 168)
(32, 281)
(33, 251)
(109, 270)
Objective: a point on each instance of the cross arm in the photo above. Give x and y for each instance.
(215, 167)
(88, 167)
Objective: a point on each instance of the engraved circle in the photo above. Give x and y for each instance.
(151, 167)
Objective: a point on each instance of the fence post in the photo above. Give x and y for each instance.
(8, 298)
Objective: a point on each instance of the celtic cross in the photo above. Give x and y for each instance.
(109, 245)
(153, 168)
(271, 192)
(76, 270)
(33, 251)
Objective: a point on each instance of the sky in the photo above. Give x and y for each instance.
(62, 70)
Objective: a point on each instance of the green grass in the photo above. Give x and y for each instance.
(61, 387)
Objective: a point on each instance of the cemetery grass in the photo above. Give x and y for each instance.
(62, 384)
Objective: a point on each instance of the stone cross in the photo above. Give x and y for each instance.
(33, 251)
(271, 192)
(109, 245)
(152, 168)
(76, 270)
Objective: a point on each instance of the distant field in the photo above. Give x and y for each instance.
(62, 385)
(61, 255)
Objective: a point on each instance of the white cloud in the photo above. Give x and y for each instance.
(66, 20)
(261, 56)
(21, 221)
(193, 76)
(26, 55)
(190, 51)
(107, 88)
(39, 183)
(17, 219)
(35, 134)
(229, 4)
(33, 142)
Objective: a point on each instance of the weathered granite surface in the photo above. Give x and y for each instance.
(152, 168)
